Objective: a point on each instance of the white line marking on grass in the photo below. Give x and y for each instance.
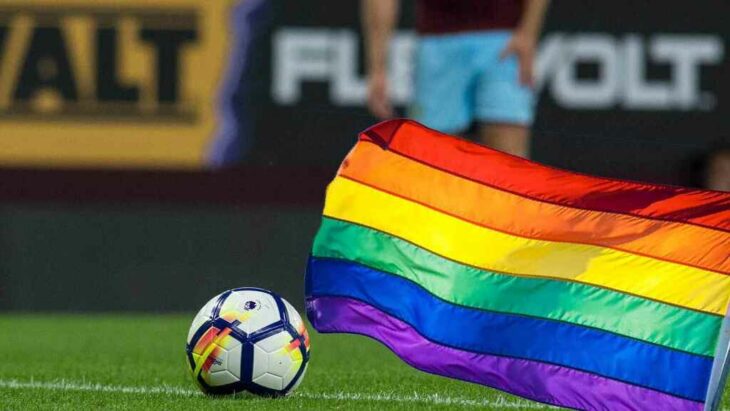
(436, 399)
(65, 385)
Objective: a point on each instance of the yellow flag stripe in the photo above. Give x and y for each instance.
(478, 246)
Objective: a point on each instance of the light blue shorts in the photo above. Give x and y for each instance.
(459, 79)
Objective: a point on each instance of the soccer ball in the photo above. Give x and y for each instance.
(248, 339)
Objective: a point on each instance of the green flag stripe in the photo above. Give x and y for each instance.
(576, 303)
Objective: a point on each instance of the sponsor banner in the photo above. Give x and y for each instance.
(626, 90)
(303, 55)
(110, 83)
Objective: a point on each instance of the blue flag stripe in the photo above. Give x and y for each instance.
(632, 361)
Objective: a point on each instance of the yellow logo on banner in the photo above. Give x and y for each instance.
(110, 83)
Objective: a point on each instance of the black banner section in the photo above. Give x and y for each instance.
(630, 90)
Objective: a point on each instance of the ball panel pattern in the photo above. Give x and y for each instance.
(202, 316)
(270, 381)
(294, 318)
(250, 310)
(221, 378)
(248, 339)
(298, 380)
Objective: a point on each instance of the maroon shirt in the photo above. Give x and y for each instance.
(450, 16)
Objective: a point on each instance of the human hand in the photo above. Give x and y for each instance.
(378, 99)
(522, 45)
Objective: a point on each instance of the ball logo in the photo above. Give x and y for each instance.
(251, 305)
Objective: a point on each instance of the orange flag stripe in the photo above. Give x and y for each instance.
(514, 214)
(710, 209)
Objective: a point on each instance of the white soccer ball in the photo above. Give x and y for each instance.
(248, 339)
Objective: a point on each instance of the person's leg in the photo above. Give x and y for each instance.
(442, 84)
(718, 171)
(510, 138)
(504, 107)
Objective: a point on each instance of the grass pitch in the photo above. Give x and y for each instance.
(138, 362)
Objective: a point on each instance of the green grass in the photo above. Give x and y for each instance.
(88, 361)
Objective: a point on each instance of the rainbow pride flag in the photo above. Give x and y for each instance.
(567, 289)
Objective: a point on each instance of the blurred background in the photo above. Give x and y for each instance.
(156, 152)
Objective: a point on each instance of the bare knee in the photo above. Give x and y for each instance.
(513, 139)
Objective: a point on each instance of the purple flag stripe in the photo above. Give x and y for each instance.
(546, 383)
